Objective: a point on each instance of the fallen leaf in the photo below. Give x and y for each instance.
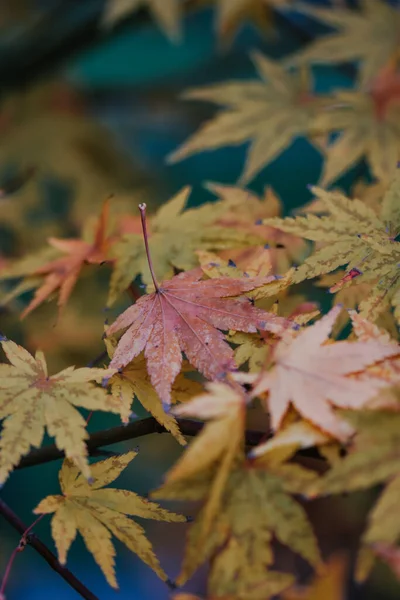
(98, 513)
(32, 400)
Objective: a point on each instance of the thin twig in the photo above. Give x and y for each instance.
(43, 550)
(19, 548)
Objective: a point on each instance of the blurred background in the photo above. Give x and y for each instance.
(90, 107)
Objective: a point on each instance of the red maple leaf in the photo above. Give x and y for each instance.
(185, 314)
(62, 273)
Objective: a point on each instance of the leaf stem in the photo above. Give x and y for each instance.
(142, 208)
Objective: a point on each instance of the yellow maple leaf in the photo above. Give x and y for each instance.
(98, 513)
(373, 458)
(32, 400)
(313, 376)
(134, 381)
(354, 235)
(175, 234)
(367, 130)
(257, 505)
(269, 113)
(369, 36)
(220, 441)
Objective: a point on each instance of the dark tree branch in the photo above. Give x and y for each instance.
(135, 429)
(42, 549)
(122, 433)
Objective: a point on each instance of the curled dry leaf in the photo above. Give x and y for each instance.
(31, 401)
(313, 376)
(98, 513)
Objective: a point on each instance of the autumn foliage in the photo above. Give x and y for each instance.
(222, 324)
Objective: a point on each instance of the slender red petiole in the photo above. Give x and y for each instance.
(19, 548)
(142, 208)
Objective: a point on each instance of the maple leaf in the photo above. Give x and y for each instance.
(184, 315)
(61, 274)
(134, 381)
(257, 506)
(270, 114)
(166, 12)
(368, 128)
(312, 375)
(369, 36)
(373, 458)
(220, 441)
(245, 211)
(351, 298)
(355, 236)
(98, 513)
(175, 235)
(365, 331)
(32, 400)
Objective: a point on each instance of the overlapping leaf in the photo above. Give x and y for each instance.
(352, 234)
(368, 126)
(270, 114)
(60, 274)
(243, 505)
(175, 235)
(369, 36)
(374, 458)
(184, 315)
(98, 513)
(134, 381)
(31, 400)
(245, 212)
(313, 376)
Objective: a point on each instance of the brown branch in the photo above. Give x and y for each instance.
(42, 549)
(122, 433)
(135, 429)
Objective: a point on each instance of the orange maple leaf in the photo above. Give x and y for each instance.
(312, 375)
(184, 315)
(62, 273)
